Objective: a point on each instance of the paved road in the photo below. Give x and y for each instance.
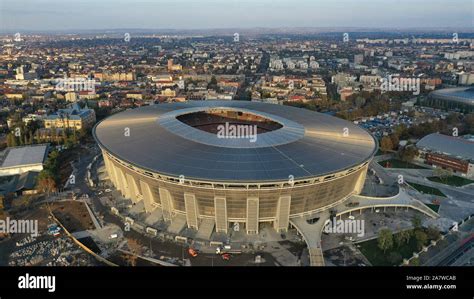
(458, 205)
(459, 252)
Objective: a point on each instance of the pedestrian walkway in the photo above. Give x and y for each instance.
(311, 233)
(94, 219)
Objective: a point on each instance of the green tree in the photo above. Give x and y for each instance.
(403, 237)
(443, 174)
(385, 240)
(395, 258)
(408, 153)
(433, 233)
(359, 101)
(421, 238)
(415, 262)
(213, 83)
(416, 222)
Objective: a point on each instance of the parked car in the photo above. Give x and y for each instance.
(226, 256)
(192, 252)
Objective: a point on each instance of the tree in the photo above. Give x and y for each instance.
(30, 138)
(38, 136)
(433, 233)
(359, 101)
(415, 262)
(386, 144)
(63, 136)
(385, 240)
(469, 121)
(416, 222)
(213, 83)
(421, 238)
(402, 131)
(443, 174)
(395, 140)
(45, 182)
(403, 237)
(408, 153)
(395, 258)
(452, 118)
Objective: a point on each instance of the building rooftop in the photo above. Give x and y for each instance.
(18, 182)
(308, 144)
(73, 113)
(449, 145)
(23, 155)
(463, 95)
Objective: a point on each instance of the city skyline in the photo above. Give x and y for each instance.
(77, 15)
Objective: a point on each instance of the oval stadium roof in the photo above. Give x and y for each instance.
(309, 144)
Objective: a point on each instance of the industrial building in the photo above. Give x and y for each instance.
(448, 152)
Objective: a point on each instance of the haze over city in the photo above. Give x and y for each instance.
(57, 15)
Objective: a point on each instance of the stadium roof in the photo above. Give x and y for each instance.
(309, 144)
(23, 155)
(452, 146)
(463, 95)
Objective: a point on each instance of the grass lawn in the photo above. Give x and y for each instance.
(377, 257)
(433, 207)
(451, 180)
(426, 189)
(395, 163)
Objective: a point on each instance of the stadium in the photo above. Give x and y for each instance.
(461, 98)
(173, 158)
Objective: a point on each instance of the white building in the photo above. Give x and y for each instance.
(21, 159)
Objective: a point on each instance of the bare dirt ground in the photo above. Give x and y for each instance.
(73, 215)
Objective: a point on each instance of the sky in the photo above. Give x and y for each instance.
(17, 15)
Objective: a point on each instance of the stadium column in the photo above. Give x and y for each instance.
(166, 204)
(134, 191)
(220, 213)
(361, 180)
(118, 178)
(252, 215)
(147, 196)
(283, 213)
(190, 205)
(123, 183)
(109, 167)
